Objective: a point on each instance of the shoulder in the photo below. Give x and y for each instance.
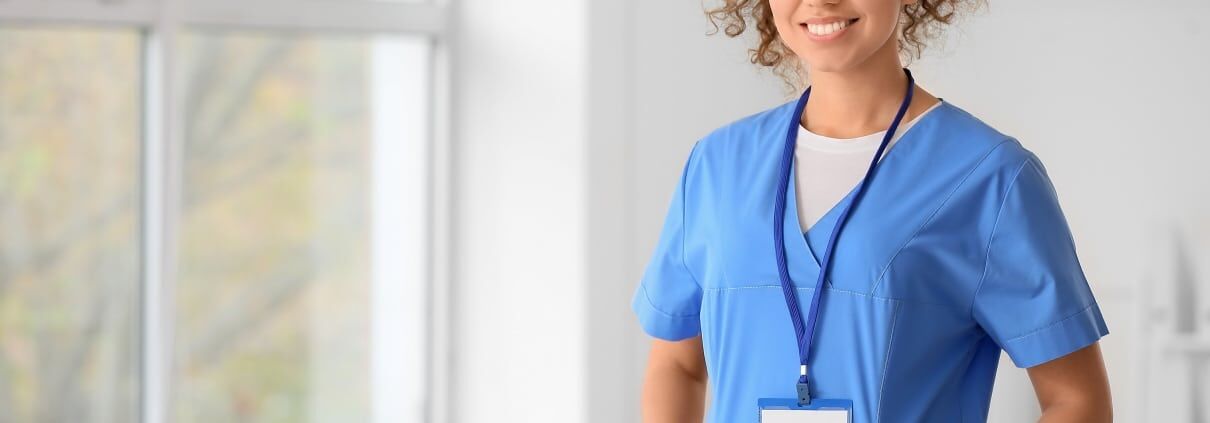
(768, 121)
(746, 138)
(999, 167)
(990, 149)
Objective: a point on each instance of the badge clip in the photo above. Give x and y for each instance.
(804, 392)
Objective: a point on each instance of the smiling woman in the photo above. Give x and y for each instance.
(919, 265)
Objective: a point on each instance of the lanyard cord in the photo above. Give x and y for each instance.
(806, 332)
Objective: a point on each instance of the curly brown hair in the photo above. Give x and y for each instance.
(920, 21)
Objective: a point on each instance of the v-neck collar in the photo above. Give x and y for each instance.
(799, 251)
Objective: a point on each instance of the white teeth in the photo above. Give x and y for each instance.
(825, 29)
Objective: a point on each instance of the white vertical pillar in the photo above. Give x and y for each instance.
(399, 263)
(519, 226)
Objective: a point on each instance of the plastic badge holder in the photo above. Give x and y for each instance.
(820, 410)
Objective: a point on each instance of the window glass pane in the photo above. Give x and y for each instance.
(301, 293)
(69, 216)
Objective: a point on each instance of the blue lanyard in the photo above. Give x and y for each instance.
(805, 332)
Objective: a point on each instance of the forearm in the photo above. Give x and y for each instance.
(671, 395)
(1074, 388)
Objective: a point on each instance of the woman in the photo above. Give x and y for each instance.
(868, 248)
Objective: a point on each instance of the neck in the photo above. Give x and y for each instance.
(857, 101)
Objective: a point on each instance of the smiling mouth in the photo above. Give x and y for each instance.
(824, 30)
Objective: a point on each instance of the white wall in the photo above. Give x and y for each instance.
(519, 241)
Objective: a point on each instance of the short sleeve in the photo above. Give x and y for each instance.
(669, 295)
(1034, 300)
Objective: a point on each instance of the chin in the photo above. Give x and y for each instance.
(828, 65)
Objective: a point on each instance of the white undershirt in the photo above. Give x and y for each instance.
(829, 168)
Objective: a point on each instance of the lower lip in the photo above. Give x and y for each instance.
(828, 37)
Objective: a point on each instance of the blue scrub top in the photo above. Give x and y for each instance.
(957, 250)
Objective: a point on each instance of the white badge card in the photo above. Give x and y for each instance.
(820, 410)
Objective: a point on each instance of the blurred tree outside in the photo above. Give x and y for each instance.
(272, 320)
(271, 299)
(69, 238)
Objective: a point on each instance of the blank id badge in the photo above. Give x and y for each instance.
(820, 410)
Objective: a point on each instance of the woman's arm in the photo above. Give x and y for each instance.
(674, 387)
(1073, 388)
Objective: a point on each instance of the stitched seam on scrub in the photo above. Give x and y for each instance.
(806, 289)
(992, 237)
(1059, 322)
(887, 360)
(838, 290)
(657, 309)
(916, 233)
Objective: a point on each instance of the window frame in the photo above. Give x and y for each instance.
(161, 23)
